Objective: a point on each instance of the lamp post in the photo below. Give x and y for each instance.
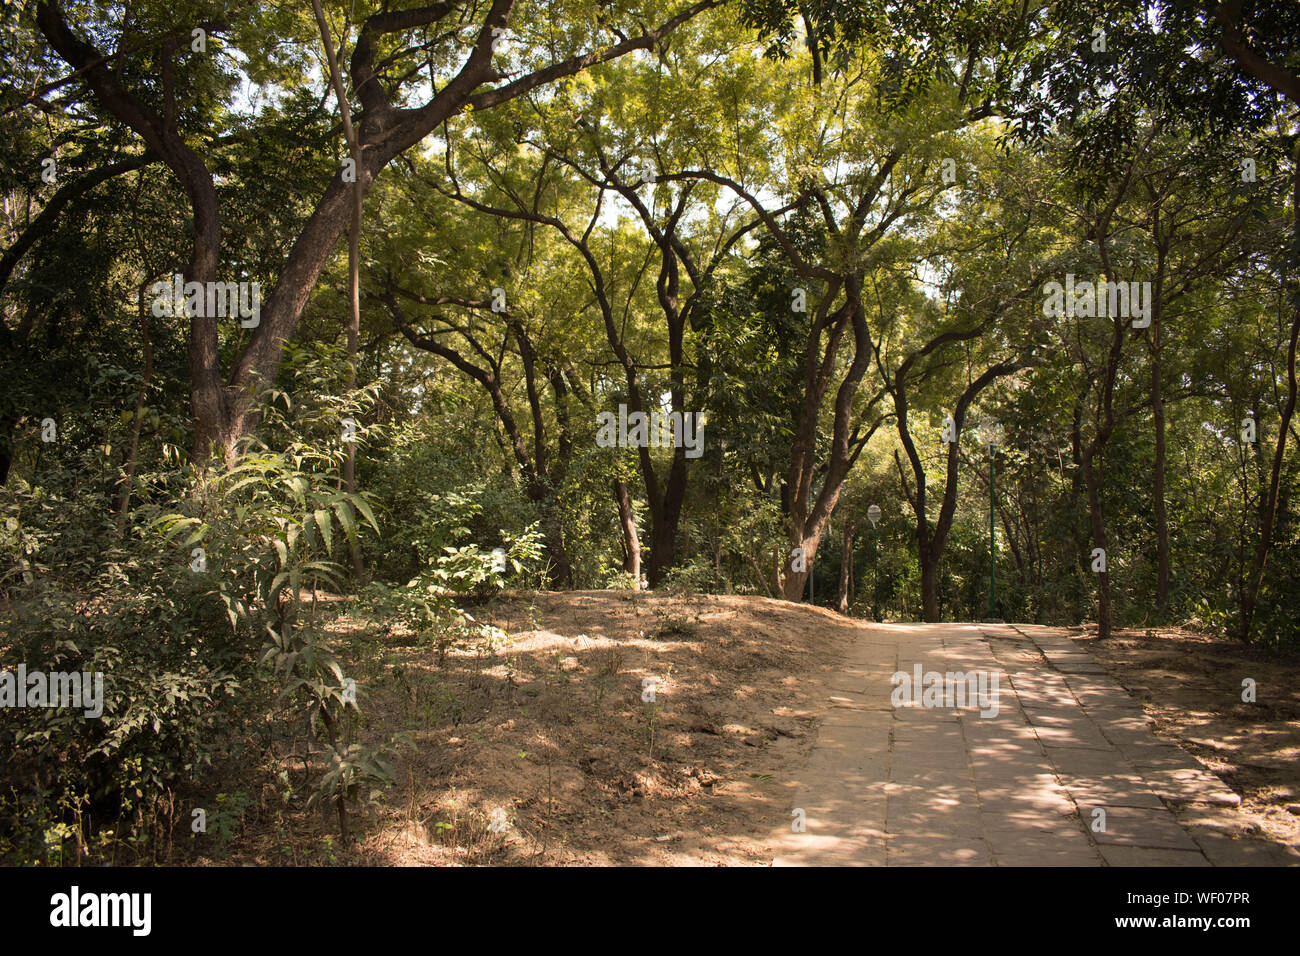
(873, 514)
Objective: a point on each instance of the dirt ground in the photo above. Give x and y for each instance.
(546, 749)
(589, 771)
(542, 751)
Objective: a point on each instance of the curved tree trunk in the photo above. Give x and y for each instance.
(1161, 510)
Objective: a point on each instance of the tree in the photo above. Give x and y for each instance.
(386, 130)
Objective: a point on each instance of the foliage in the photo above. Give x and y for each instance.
(815, 228)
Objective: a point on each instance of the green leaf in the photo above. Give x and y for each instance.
(364, 507)
(346, 518)
(326, 526)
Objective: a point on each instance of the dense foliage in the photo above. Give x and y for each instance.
(820, 237)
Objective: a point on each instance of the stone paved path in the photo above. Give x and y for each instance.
(915, 785)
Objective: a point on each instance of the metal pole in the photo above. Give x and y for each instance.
(875, 574)
(993, 584)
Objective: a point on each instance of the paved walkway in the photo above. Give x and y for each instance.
(916, 785)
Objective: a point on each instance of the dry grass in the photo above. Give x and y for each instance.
(550, 735)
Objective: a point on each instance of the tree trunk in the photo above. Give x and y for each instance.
(1092, 481)
(662, 548)
(561, 571)
(1255, 580)
(1161, 512)
(794, 583)
(631, 542)
(1158, 420)
(846, 567)
(665, 516)
(929, 586)
(759, 574)
(7, 423)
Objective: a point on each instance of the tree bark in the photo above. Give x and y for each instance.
(631, 542)
(846, 566)
(808, 521)
(1255, 581)
(1158, 493)
(1104, 413)
(929, 586)
(1092, 482)
(6, 446)
(665, 517)
(930, 543)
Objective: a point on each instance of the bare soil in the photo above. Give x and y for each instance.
(552, 729)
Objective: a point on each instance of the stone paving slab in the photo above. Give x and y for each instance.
(945, 786)
(1073, 731)
(1192, 786)
(1137, 826)
(1144, 856)
(1110, 790)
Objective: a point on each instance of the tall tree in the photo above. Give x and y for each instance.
(385, 66)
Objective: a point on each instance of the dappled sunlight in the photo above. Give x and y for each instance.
(1067, 772)
(584, 766)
